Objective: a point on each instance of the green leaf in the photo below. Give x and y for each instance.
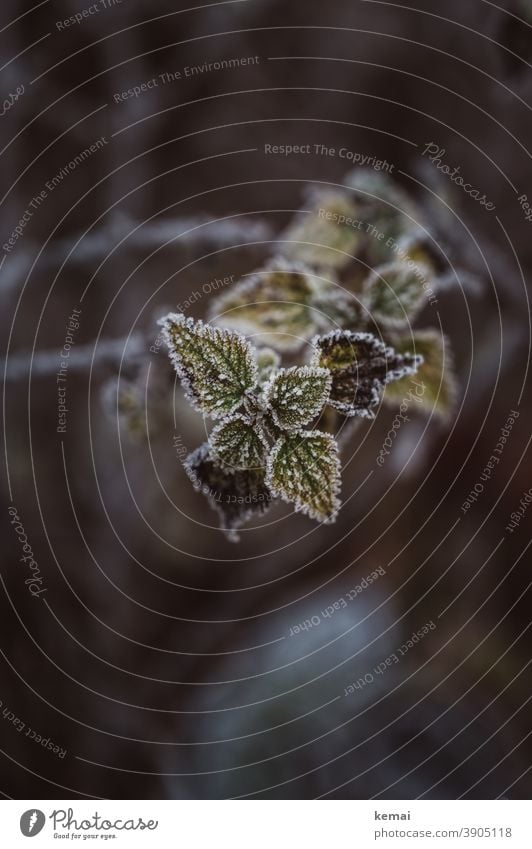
(267, 361)
(216, 366)
(434, 386)
(296, 395)
(386, 209)
(326, 234)
(418, 247)
(361, 365)
(273, 305)
(304, 469)
(334, 306)
(238, 444)
(237, 496)
(393, 293)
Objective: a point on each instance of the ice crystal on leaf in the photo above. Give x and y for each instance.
(304, 468)
(221, 372)
(216, 366)
(393, 293)
(295, 396)
(237, 443)
(361, 365)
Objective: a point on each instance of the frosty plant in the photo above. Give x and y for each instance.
(267, 442)
(340, 302)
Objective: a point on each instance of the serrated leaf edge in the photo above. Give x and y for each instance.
(229, 419)
(246, 284)
(448, 374)
(304, 372)
(204, 330)
(300, 506)
(231, 531)
(378, 274)
(361, 336)
(378, 385)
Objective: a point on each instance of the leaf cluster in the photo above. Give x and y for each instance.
(266, 442)
(333, 318)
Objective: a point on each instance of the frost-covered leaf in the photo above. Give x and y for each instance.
(273, 305)
(419, 248)
(237, 496)
(326, 234)
(284, 305)
(334, 306)
(216, 366)
(237, 443)
(361, 365)
(386, 209)
(434, 385)
(304, 469)
(267, 361)
(296, 395)
(393, 293)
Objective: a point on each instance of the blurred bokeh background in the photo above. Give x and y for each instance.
(159, 660)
